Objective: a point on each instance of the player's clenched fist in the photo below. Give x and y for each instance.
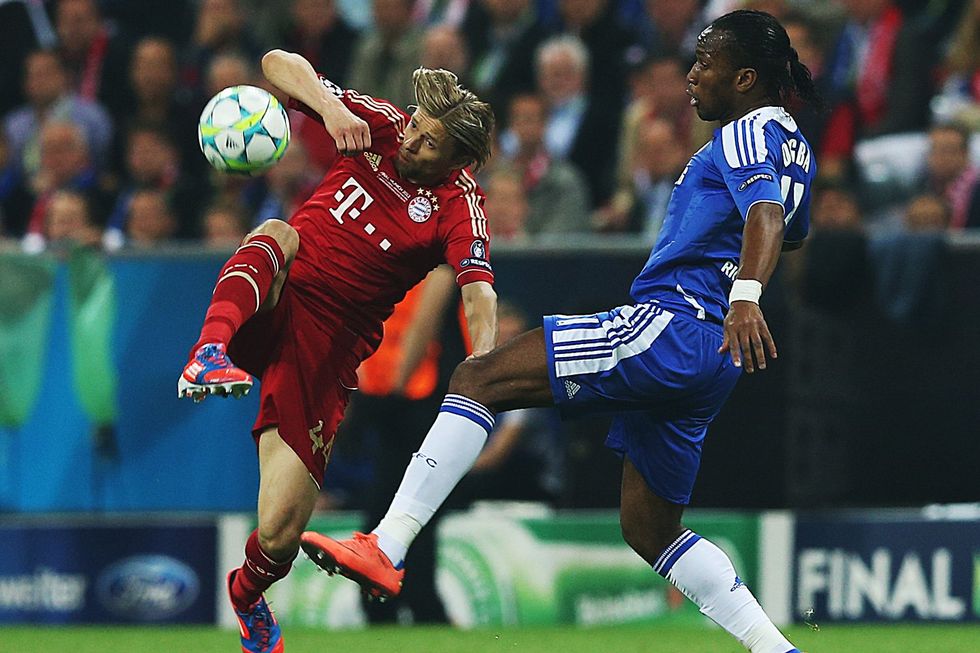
(350, 133)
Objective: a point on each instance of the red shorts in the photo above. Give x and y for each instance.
(307, 368)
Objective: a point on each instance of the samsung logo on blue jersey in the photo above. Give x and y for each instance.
(147, 587)
(754, 178)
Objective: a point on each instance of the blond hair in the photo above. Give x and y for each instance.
(467, 119)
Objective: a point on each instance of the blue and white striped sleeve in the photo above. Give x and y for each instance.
(747, 160)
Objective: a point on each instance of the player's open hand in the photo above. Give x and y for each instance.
(350, 134)
(747, 336)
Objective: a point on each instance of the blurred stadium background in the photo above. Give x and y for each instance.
(843, 481)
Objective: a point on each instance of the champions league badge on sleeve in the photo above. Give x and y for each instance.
(478, 256)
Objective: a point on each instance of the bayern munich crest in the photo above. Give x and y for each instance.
(420, 209)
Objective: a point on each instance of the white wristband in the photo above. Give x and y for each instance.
(745, 290)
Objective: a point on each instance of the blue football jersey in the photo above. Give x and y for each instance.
(761, 157)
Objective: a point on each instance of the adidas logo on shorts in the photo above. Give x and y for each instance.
(572, 388)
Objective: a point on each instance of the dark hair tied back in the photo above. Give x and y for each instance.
(760, 42)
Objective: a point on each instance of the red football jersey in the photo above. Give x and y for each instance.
(367, 236)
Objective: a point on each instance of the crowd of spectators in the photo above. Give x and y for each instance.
(100, 100)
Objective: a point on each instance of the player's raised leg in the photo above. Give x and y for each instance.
(512, 376)
(287, 494)
(251, 279)
(652, 527)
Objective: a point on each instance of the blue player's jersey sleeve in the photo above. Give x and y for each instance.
(761, 157)
(760, 162)
(747, 165)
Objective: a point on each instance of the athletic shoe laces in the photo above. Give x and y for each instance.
(366, 546)
(214, 355)
(261, 621)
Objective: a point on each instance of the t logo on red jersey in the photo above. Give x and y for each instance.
(347, 202)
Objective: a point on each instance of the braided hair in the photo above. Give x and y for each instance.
(758, 41)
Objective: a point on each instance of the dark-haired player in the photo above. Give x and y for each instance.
(664, 364)
(399, 203)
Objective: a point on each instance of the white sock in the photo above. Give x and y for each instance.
(705, 575)
(447, 453)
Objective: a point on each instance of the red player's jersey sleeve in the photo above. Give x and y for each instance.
(466, 237)
(384, 118)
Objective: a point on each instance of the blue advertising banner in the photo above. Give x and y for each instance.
(90, 353)
(853, 568)
(112, 573)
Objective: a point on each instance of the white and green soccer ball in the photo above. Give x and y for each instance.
(244, 130)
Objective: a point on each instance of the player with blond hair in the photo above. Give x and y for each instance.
(301, 303)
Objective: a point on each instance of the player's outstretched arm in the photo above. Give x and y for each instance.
(747, 336)
(480, 306)
(422, 330)
(294, 75)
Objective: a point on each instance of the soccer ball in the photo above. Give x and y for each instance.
(243, 129)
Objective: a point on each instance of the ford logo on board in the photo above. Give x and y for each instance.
(147, 587)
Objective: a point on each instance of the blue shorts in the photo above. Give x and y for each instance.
(660, 373)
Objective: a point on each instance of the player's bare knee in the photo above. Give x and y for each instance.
(279, 533)
(281, 544)
(643, 547)
(648, 539)
(632, 533)
(469, 380)
(285, 235)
